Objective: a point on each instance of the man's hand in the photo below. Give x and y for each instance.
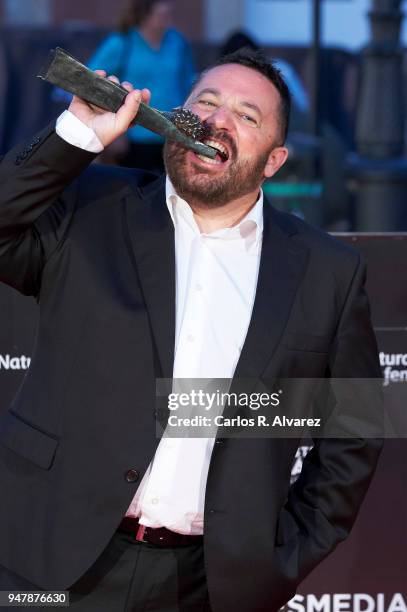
(106, 125)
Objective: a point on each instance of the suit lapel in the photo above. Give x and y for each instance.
(282, 266)
(152, 239)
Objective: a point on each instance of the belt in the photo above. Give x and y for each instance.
(160, 536)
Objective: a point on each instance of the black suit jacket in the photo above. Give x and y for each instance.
(98, 254)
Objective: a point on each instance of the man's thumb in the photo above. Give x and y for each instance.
(126, 113)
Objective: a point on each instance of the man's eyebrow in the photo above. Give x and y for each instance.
(206, 90)
(252, 106)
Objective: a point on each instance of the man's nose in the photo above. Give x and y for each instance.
(220, 118)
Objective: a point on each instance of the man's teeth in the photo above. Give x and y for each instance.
(208, 160)
(218, 146)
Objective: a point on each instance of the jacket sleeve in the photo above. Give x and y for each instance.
(336, 473)
(33, 185)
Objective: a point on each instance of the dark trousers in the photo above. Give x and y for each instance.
(134, 577)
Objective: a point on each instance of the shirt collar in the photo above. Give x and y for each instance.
(250, 227)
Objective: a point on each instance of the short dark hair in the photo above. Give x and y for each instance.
(256, 59)
(134, 14)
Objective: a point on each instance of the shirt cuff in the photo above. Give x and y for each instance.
(75, 132)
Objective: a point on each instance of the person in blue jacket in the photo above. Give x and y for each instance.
(146, 51)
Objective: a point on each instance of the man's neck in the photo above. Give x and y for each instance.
(212, 219)
(152, 36)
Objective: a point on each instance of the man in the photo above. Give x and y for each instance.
(190, 276)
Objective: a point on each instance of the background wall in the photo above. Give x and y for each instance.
(290, 21)
(272, 22)
(189, 16)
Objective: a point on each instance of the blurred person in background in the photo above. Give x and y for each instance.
(146, 50)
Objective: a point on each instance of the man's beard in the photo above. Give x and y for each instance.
(240, 178)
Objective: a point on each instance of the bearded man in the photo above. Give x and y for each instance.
(191, 275)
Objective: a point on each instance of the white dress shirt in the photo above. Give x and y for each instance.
(216, 280)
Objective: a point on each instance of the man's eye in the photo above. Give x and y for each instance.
(206, 102)
(249, 119)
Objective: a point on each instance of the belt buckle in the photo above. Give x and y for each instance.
(140, 533)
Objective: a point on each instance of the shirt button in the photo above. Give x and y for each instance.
(198, 287)
(132, 475)
(155, 501)
(190, 338)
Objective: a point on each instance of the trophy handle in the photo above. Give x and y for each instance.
(66, 72)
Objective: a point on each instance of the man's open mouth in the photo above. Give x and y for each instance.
(222, 154)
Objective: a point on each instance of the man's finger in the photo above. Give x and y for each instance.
(127, 85)
(146, 95)
(128, 111)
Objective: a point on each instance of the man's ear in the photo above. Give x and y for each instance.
(276, 159)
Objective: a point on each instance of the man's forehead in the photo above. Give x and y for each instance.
(242, 81)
